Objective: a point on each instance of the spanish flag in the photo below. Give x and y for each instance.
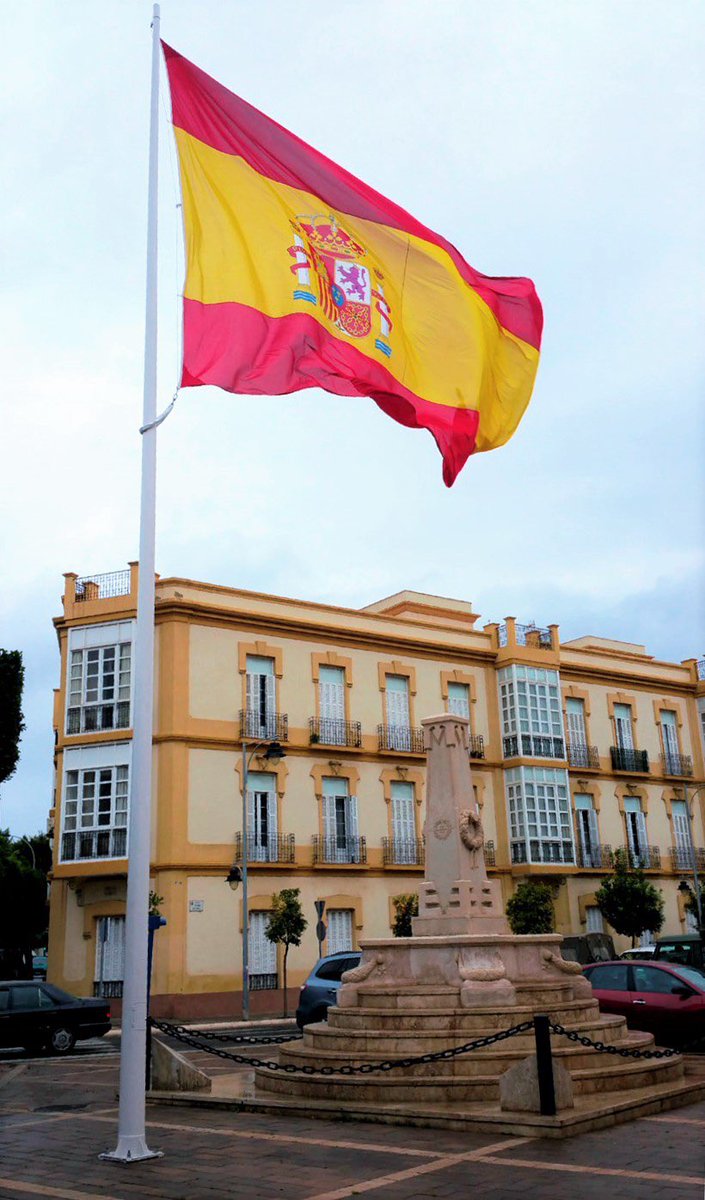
(299, 275)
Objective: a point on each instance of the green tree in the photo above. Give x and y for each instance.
(530, 909)
(11, 722)
(628, 902)
(24, 912)
(286, 925)
(406, 906)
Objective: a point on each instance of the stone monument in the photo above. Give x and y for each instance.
(461, 976)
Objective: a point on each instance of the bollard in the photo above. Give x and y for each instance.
(544, 1066)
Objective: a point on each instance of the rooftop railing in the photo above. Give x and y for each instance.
(527, 635)
(103, 587)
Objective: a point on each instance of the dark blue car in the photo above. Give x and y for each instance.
(321, 988)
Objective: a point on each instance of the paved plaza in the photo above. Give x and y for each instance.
(58, 1115)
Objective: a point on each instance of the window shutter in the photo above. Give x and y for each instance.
(642, 838)
(623, 726)
(352, 816)
(594, 831)
(272, 826)
(328, 816)
(577, 732)
(340, 931)
(262, 952)
(270, 699)
(459, 699)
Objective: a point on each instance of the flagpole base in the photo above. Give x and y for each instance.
(130, 1150)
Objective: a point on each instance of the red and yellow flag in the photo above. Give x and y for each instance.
(299, 275)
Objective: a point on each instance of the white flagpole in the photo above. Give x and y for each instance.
(132, 1145)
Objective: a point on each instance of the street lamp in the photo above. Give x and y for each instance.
(683, 886)
(238, 874)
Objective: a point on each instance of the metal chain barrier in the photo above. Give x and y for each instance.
(621, 1052)
(182, 1035)
(235, 1038)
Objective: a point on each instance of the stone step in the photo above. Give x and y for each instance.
(606, 1028)
(491, 1062)
(396, 1088)
(467, 1020)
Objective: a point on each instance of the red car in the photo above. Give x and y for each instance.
(661, 998)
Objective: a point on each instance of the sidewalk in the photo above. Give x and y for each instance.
(57, 1116)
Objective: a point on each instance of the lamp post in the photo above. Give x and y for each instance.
(238, 874)
(693, 860)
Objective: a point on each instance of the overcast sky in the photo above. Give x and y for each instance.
(558, 140)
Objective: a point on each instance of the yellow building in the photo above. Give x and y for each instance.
(578, 748)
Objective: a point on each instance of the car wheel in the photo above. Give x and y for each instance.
(62, 1040)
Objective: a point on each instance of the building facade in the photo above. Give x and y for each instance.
(578, 748)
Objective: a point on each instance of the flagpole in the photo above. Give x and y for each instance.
(132, 1144)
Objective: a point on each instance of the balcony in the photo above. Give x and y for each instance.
(400, 737)
(270, 848)
(681, 860)
(677, 764)
(339, 849)
(263, 727)
(95, 718)
(94, 843)
(634, 761)
(531, 745)
(489, 853)
(549, 852)
(595, 858)
(643, 858)
(527, 635)
(402, 852)
(582, 755)
(103, 587)
(327, 731)
(476, 745)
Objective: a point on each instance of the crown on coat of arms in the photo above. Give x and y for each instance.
(326, 236)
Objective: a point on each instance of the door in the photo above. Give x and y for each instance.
(637, 838)
(261, 817)
(403, 822)
(5, 1020)
(611, 983)
(260, 697)
(588, 832)
(623, 726)
(681, 835)
(669, 733)
(398, 718)
(109, 957)
(332, 705)
(662, 1008)
(32, 1013)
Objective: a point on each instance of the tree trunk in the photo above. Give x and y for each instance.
(286, 1006)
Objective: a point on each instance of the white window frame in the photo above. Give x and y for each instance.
(109, 957)
(93, 829)
(341, 930)
(530, 705)
(540, 821)
(99, 678)
(331, 705)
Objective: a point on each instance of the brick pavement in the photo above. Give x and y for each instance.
(56, 1117)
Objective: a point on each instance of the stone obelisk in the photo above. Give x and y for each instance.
(456, 897)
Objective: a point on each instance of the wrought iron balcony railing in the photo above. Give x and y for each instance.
(109, 989)
(402, 852)
(595, 858)
(550, 851)
(400, 737)
(677, 764)
(269, 848)
(264, 727)
(336, 849)
(681, 859)
(629, 760)
(331, 732)
(531, 745)
(103, 587)
(94, 718)
(94, 843)
(643, 858)
(476, 745)
(582, 755)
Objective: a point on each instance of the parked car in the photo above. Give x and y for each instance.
(40, 1016)
(639, 952)
(321, 988)
(588, 948)
(684, 948)
(666, 1000)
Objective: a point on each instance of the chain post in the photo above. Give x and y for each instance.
(544, 1066)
